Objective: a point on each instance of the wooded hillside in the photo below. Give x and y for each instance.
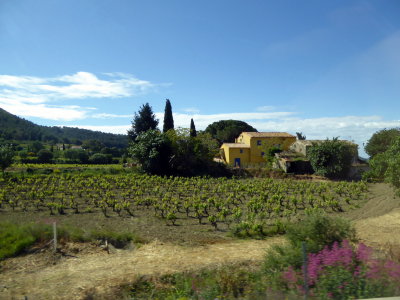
(18, 129)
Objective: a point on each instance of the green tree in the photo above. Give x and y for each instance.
(77, 155)
(151, 150)
(193, 132)
(208, 141)
(331, 158)
(100, 159)
(226, 131)
(143, 121)
(392, 174)
(193, 156)
(92, 145)
(168, 118)
(6, 157)
(386, 166)
(45, 156)
(36, 147)
(300, 136)
(381, 141)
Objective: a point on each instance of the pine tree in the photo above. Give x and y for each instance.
(143, 121)
(193, 132)
(168, 118)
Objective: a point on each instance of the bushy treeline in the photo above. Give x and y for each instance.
(176, 152)
(89, 152)
(182, 152)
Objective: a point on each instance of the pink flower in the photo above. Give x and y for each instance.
(290, 275)
(363, 253)
(340, 258)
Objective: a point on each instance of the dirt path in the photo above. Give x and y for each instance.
(99, 273)
(378, 221)
(380, 232)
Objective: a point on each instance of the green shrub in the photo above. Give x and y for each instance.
(331, 158)
(246, 229)
(317, 230)
(101, 159)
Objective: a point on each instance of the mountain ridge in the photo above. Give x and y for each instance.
(14, 128)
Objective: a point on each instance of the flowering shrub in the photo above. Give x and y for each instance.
(341, 272)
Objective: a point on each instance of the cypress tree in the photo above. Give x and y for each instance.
(193, 132)
(168, 118)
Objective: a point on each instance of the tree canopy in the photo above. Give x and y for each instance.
(225, 131)
(176, 153)
(152, 150)
(168, 118)
(143, 121)
(381, 141)
(6, 157)
(45, 156)
(386, 165)
(331, 158)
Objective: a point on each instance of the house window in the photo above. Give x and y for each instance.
(258, 142)
(241, 150)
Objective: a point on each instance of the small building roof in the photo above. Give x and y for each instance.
(268, 134)
(235, 145)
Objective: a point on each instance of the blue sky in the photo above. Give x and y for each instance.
(325, 68)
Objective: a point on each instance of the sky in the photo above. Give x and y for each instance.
(323, 68)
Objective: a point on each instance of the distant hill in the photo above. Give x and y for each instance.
(18, 129)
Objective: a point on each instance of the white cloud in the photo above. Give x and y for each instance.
(109, 116)
(203, 121)
(265, 108)
(63, 113)
(117, 129)
(191, 110)
(356, 128)
(32, 96)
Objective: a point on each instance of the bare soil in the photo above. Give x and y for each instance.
(87, 271)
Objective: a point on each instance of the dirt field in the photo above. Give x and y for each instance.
(90, 270)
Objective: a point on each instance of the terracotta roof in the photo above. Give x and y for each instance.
(235, 145)
(268, 134)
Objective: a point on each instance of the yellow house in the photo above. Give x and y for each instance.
(248, 147)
